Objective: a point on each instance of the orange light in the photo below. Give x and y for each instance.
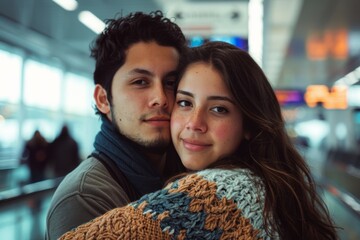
(315, 47)
(337, 98)
(340, 49)
(331, 43)
(334, 99)
(316, 94)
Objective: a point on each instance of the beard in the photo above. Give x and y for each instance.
(156, 146)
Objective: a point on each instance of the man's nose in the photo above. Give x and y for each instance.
(159, 96)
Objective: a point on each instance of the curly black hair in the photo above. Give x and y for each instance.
(110, 46)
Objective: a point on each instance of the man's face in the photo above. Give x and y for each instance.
(143, 94)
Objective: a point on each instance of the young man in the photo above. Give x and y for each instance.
(136, 62)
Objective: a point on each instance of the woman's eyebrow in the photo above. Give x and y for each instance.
(185, 93)
(223, 98)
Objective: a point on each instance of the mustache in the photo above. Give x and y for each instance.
(157, 114)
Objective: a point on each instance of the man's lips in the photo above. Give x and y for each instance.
(158, 120)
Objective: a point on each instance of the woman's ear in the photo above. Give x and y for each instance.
(101, 100)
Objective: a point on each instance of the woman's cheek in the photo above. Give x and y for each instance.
(223, 132)
(175, 125)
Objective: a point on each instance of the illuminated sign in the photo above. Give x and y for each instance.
(194, 41)
(209, 18)
(331, 43)
(290, 97)
(335, 98)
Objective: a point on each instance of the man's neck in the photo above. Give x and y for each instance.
(156, 157)
(157, 160)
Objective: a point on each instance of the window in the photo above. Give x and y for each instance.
(42, 85)
(10, 75)
(78, 92)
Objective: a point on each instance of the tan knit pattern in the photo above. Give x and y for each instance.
(222, 213)
(120, 223)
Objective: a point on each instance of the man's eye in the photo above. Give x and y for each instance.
(170, 83)
(140, 82)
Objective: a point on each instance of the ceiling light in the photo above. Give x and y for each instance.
(91, 21)
(69, 5)
(256, 19)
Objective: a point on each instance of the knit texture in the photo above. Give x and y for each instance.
(210, 204)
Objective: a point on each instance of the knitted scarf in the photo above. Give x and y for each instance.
(128, 158)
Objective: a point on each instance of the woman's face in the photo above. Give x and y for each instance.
(206, 125)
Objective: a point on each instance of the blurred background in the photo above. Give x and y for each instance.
(309, 49)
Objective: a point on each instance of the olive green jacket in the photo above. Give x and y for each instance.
(85, 193)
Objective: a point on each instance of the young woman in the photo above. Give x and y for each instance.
(245, 179)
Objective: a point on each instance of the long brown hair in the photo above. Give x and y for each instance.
(293, 208)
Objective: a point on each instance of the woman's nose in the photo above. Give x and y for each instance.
(197, 122)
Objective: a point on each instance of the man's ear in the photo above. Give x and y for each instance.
(101, 100)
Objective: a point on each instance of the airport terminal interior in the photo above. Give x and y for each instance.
(308, 49)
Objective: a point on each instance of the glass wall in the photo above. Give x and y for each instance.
(41, 95)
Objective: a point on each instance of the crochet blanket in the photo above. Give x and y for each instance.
(210, 204)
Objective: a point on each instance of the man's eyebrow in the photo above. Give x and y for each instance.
(222, 98)
(140, 71)
(149, 73)
(172, 73)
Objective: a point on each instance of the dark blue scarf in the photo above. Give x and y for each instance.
(127, 156)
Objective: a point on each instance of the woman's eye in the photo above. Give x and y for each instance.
(220, 110)
(183, 103)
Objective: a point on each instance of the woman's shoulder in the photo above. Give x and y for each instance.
(240, 186)
(222, 179)
(232, 179)
(199, 200)
(233, 182)
(220, 174)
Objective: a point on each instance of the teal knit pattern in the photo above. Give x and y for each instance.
(243, 187)
(238, 185)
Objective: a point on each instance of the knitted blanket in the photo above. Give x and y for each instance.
(210, 204)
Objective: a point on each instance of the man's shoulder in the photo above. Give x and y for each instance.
(91, 186)
(85, 193)
(90, 177)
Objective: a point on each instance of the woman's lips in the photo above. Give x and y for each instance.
(194, 145)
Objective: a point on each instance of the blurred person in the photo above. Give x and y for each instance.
(35, 156)
(136, 66)
(245, 178)
(63, 153)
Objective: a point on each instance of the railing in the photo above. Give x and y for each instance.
(28, 190)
